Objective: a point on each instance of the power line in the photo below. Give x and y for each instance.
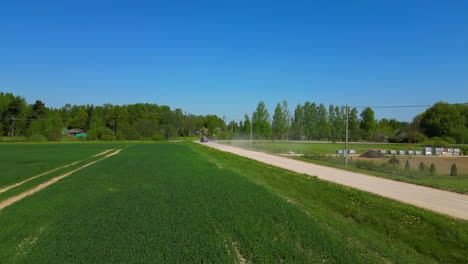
(399, 106)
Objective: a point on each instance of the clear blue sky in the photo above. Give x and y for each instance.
(223, 57)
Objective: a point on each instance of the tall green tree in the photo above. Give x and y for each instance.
(38, 110)
(49, 126)
(246, 126)
(297, 126)
(261, 122)
(311, 121)
(15, 111)
(445, 120)
(340, 113)
(280, 124)
(336, 116)
(80, 120)
(353, 125)
(323, 126)
(214, 124)
(368, 123)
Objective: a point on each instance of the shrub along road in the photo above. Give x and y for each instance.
(440, 201)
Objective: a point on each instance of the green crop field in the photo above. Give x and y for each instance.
(20, 161)
(186, 203)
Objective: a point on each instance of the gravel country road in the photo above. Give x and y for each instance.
(444, 202)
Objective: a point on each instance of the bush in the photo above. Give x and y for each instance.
(158, 137)
(449, 140)
(407, 166)
(453, 170)
(464, 150)
(436, 142)
(393, 160)
(408, 171)
(432, 170)
(422, 167)
(107, 137)
(101, 133)
(38, 138)
(366, 164)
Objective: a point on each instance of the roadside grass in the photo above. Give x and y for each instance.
(396, 231)
(21, 161)
(191, 138)
(164, 203)
(445, 182)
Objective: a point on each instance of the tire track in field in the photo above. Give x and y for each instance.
(41, 186)
(102, 153)
(2, 190)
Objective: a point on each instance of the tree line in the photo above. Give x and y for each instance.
(308, 121)
(442, 123)
(106, 122)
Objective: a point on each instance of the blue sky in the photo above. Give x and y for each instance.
(223, 57)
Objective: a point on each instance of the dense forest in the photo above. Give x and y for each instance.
(310, 121)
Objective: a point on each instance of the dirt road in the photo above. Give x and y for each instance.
(440, 201)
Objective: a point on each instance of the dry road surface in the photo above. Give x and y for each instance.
(445, 202)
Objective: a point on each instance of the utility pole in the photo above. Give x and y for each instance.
(346, 140)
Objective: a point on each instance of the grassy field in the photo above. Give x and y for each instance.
(316, 148)
(186, 203)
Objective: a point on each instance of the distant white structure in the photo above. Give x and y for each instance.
(342, 152)
(442, 151)
(426, 151)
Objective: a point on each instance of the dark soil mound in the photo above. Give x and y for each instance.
(372, 154)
